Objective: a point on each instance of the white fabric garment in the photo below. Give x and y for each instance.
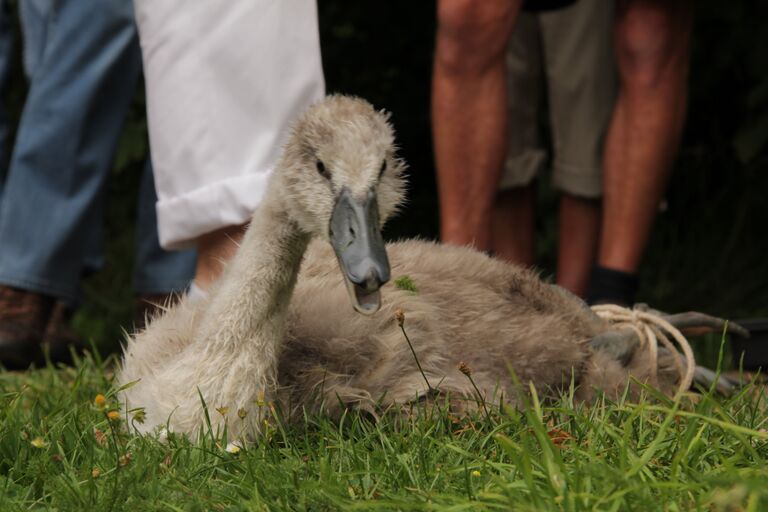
(224, 80)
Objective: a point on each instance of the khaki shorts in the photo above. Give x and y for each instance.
(569, 52)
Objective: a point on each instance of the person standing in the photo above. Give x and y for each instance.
(652, 45)
(83, 63)
(568, 54)
(224, 82)
(651, 40)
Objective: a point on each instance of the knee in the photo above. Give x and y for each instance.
(652, 46)
(472, 34)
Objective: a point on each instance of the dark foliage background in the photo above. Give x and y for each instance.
(709, 248)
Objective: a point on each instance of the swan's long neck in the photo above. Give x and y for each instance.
(245, 322)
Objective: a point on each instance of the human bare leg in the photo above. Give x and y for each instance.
(469, 114)
(213, 251)
(513, 226)
(652, 47)
(579, 235)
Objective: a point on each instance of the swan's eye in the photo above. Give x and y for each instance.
(383, 168)
(321, 169)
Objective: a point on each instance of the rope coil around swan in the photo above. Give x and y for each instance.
(652, 329)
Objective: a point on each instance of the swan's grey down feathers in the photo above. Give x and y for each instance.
(264, 335)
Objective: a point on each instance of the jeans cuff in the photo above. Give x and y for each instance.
(42, 286)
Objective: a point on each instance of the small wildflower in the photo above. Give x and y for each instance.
(113, 415)
(101, 437)
(242, 413)
(222, 410)
(465, 369)
(95, 473)
(260, 400)
(232, 448)
(100, 401)
(475, 473)
(400, 316)
(38, 442)
(140, 416)
(125, 459)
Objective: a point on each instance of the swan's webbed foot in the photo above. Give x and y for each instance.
(693, 323)
(705, 377)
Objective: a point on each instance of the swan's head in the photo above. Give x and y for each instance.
(342, 181)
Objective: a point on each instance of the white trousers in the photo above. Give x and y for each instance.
(224, 81)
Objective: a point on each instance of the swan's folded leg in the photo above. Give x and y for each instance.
(620, 344)
(618, 347)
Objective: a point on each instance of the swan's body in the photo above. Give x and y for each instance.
(467, 308)
(249, 341)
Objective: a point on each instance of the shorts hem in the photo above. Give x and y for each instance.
(578, 181)
(522, 169)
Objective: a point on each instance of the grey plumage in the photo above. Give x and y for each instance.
(264, 334)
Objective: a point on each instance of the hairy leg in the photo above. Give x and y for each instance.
(214, 249)
(579, 236)
(469, 113)
(652, 47)
(513, 230)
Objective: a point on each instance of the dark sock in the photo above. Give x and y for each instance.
(609, 286)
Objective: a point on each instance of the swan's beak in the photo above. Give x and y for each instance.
(356, 239)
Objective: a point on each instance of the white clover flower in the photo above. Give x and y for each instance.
(233, 447)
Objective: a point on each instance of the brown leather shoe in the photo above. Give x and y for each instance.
(23, 318)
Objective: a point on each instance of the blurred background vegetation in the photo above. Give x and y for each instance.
(709, 248)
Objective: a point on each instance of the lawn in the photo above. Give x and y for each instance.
(60, 450)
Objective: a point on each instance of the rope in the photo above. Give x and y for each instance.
(652, 329)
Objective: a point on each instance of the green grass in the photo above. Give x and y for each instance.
(710, 453)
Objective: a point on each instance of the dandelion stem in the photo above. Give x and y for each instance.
(114, 439)
(480, 397)
(416, 358)
(463, 368)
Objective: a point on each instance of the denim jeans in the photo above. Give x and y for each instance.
(6, 52)
(83, 62)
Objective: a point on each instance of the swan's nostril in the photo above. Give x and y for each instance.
(352, 232)
(373, 280)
